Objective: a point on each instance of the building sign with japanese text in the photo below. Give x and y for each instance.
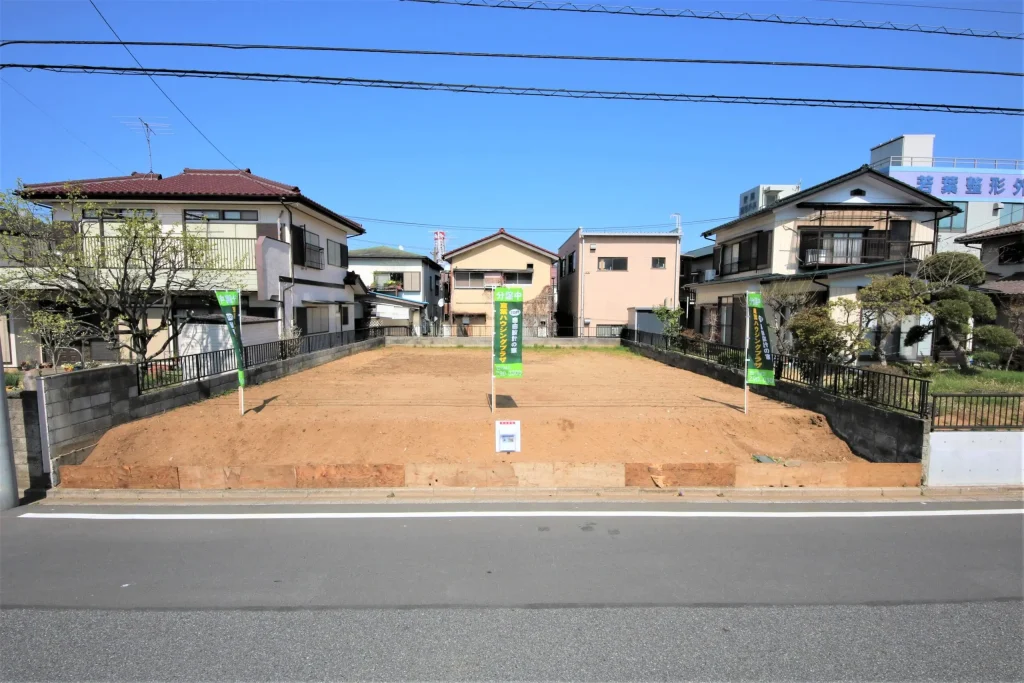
(957, 184)
(508, 332)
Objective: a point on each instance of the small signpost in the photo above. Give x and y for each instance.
(760, 362)
(230, 305)
(507, 436)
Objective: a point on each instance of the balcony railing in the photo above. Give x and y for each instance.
(225, 253)
(314, 256)
(821, 250)
(950, 162)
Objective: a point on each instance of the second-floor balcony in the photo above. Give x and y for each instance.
(832, 249)
(213, 253)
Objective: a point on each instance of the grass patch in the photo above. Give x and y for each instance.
(977, 381)
(555, 349)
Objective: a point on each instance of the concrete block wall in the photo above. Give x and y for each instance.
(872, 433)
(28, 462)
(82, 406)
(976, 458)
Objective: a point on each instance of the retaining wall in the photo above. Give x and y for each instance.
(484, 342)
(520, 474)
(28, 461)
(872, 433)
(81, 406)
(982, 458)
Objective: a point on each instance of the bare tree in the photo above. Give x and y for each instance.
(128, 280)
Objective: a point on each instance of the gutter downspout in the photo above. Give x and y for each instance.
(291, 271)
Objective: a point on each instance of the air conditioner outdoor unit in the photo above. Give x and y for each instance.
(709, 275)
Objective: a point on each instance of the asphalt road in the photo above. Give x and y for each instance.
(591, 597)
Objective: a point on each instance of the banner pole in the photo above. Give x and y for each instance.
(746, 346)
(241, 387)
(494, 324)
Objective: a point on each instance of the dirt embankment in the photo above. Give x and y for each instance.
(409, 405)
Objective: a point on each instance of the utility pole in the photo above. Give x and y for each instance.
(8, 474)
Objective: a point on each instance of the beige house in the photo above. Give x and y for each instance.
(601, 275)
(828, 239)
(499, 259)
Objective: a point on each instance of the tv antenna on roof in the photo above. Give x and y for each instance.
(137, 123)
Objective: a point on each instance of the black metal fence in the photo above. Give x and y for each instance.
(893, 392)
(699, 348)
(977, 412)
(167, 372)
(896, 392)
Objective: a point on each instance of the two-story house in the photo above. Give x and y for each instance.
(500, 259)
(405, 286)
(829, 238)
(1002, 253)
(289, 252)
(695, 266)
(602, 274)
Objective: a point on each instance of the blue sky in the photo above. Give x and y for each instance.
(536, 166)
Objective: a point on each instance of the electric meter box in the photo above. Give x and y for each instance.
(507, 436)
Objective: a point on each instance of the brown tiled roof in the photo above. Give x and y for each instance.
(1001, 231)
(1011, 284)
(501, 233)
(191, 183)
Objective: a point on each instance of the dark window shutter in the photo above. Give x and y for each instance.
(764, 249)
(745, 254)
(718, 260)
(738, 322)
(344, 255)
(300, 319)
(298, 246)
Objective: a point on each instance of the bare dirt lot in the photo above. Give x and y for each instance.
(410, 405)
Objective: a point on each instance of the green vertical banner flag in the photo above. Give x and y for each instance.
(760, 362)
(230, 306)
(508, 332)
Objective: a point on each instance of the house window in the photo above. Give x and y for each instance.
(344, 315)
(658, 262)
(518, 278)
(572, 262)
(744, 255)
(1011, 253)
(437, 284)
(725, 319)
(561, 267)
(337, 254)
(835, 248)
(612, 263)
(468, 280)
(314, 252)
(118, 214)
(957, 223)
(1011, 213)
(221, 215)
(389, 281)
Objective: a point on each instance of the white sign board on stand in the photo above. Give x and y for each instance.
(507, 436)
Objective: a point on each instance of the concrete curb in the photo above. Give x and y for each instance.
(519, 494)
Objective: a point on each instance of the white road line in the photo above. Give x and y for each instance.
(505, 514)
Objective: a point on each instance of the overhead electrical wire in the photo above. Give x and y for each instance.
(515, 55)
(943, 7)
(162, 91)
(672, 13)
(390, 221)
(833, 103)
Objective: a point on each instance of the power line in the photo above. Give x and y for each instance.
(173, 103)
(907, 4)
(514, 55)
(389, 221)
(62, 126)
(525, 90)
(670, 13)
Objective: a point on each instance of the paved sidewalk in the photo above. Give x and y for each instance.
(60, 496)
